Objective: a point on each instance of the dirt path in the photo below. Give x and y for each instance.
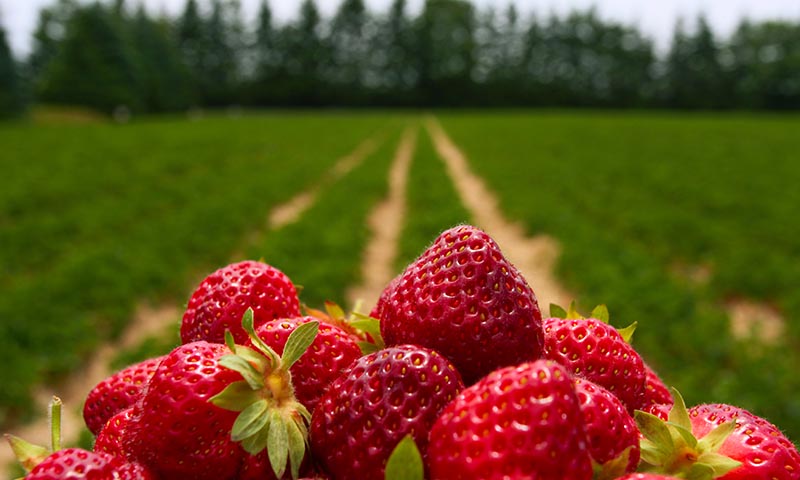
(385, 222)
(534, 256)
(147, 321)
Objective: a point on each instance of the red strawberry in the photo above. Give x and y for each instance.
(78, 463)
(332, 351)
(517, 422)
(222, 298)
(610, 431)
(176, 430)
(116, 393)
(113, 437)
(376, 402)
(378, 311)
(462, 298)
(727, 442)
(592, 349)
(763, 450)
(655, 391)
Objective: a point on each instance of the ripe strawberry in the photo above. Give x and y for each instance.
(592, 349)
(221, 299)
(655, 391)
(378, 311)
(646, 476)
(332, 351)
(78, 463)
(112, 438)
(462, 298)
(763, 450)
(727, 442)
(517, 422)
(176, 430)
(610, 431)
(376, 402)
(116, 393)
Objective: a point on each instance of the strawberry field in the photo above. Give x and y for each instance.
(670, 220)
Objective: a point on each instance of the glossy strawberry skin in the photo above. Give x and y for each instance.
(517, 422)
(609, 429)
(175, 430)
(112, 438)
(116, 393)
(79, 463)
(646, 476)
(594, 350)
(221, 299)
(378, 400)
(763, 450)
(332, 351)
(655, 391)
(462, 298)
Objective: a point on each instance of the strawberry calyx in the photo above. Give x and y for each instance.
(30, 455)
(599, 312)
(366, 329)
(405, 462)
(670, 447)
(270, 415)
(614, 468)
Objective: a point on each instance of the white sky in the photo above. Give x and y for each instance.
(655, 18)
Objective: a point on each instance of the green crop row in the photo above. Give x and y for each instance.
(635, 200)
(94, 219)
(432, 203)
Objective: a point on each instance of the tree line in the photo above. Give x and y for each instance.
(450, 54)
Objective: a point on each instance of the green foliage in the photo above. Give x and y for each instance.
(96, 218)
(11, 102)
(635, 199)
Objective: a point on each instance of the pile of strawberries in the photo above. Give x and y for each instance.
(453, 375)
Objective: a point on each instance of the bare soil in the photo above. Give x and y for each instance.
(385, 222)
(534, 256)
(754, 320)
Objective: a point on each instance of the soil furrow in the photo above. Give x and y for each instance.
(534, 256)
(385, 222)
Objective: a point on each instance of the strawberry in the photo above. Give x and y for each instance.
(112, 438)
(116, 393)
(655, 391)
(646, 476)
(716, 441)
(378, 400)
(79, 463)
(517, 422)
(221, 299)
(462, 298)
(592, 349)
(332, 351)
(612, 436)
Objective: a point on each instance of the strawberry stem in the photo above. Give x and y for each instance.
(55, 424)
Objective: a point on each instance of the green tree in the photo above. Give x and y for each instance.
(10, 89)
(446, 51)
(94, 66)
(305, 57)
(50, 29)
(694, 77)
(349, 52)
(398, 69)
(191, 33)
(220, 72)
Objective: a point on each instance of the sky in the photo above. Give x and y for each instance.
(656, 18)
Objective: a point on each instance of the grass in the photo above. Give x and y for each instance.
(95, 218)
(633, 198)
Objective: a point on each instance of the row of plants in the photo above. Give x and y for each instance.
(632, 196)
(98, 218)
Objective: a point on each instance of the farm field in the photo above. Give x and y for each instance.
(669, 219)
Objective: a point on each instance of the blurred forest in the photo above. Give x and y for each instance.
(111, 55)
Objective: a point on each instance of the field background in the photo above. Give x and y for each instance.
(667, 218)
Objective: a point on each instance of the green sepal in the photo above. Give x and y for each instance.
(658, 446)
(686, 435)
(718, 463)
(600, 312)
(572, 312)
(405, 462)
(229, 341)
(235, 397)
(678, 414)
(248, 326)
(256, 444)
(277, 443)
(370, 326)
(716, 437)
(303, 411)
(699, 471)
(297, 446)
(556, 311)
(334, 310)
(367, 347)
(298, 342)
(614, 468)
(238, 364)
(627, 332)
(28, 454)
(250, 421)
(259, 362)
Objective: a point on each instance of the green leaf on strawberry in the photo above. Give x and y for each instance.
(405, 462)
